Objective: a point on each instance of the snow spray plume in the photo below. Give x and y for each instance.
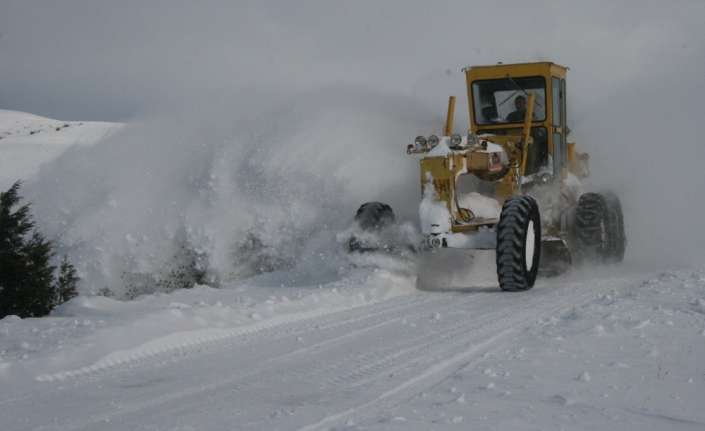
(646, 145)
(224, 197)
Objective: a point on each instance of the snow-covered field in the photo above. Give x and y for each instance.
(354, 346)
(27, 141)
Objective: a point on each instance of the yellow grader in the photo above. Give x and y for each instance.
(508, 192)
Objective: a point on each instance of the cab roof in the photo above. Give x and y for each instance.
(501, 70)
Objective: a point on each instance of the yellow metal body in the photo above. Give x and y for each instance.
(526, 131)
(545, 70)
(515, 140)
(450, 116)
(444, 171)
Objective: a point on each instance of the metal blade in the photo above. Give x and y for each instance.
(457, 269)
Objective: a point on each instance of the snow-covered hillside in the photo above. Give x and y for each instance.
(27, 141)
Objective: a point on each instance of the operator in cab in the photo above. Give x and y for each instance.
(520, 112)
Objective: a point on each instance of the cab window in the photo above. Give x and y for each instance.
(501, 101)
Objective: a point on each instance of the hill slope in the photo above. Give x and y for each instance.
(27, 141)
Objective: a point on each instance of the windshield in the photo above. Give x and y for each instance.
(498, 101)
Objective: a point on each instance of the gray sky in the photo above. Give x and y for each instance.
(111, 60)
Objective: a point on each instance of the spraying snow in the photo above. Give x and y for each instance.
(225, 197)
(433, 213)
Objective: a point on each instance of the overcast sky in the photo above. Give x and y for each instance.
(110, 60)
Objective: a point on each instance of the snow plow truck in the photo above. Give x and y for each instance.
(508, 192)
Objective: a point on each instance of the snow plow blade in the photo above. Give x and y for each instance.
(457, 269)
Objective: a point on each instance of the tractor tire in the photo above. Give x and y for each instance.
(599, 228)
(518, 244)
(374, 216)
(618, 241)
(371, 217)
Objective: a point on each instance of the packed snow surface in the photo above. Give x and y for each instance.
(609, 350)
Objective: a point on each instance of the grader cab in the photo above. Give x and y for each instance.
(510, 185)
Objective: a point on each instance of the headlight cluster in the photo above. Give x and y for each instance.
(423, 144)
(432, 141)
(420, 143)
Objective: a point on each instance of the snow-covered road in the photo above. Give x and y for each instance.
(567, 354)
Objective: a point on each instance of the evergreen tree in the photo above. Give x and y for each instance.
(28, 287)
(66, 282)
(36, 295)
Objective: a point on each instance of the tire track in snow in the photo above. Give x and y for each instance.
(460, 337)
(190, 341)
(441, 363)
(331, 320)
(485, 326)
(265, 368)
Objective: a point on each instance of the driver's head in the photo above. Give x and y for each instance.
(520, 103)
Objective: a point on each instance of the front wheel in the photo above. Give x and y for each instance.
(518, 244)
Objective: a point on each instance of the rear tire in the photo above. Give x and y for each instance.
(518, 244)
(374, 216)
(618, 239)
(371, 217)
(599, 228)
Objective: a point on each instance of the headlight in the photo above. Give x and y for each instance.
(495, 164)
(456, 140)
(545, 178)
(420, 143)
(432, 141)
